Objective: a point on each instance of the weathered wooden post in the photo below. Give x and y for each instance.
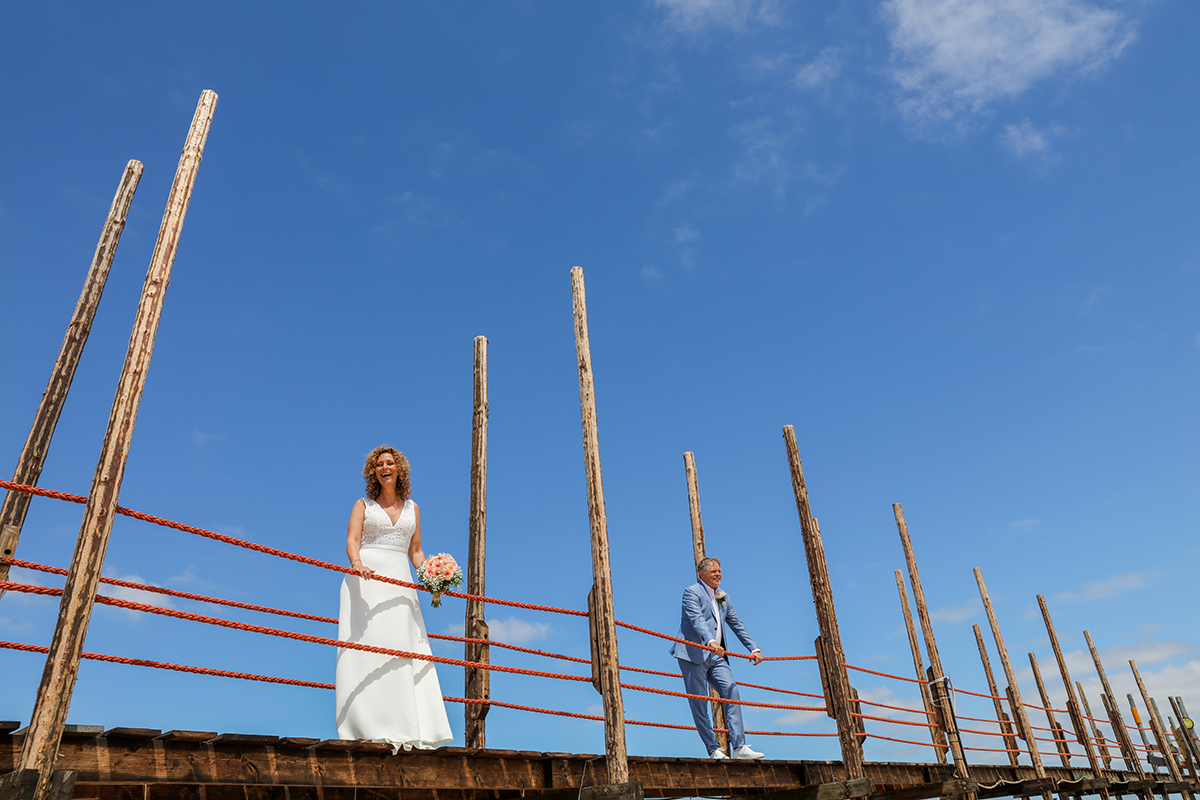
(606, 631)
(698, 550)
(935, 733)
(1099, 736)
(1014, 691)
(478, 681)
(1128, 752)
(938, 687)
(1077, 720)
(1160, 735)
(37, 444)
(1056, 732)
(62, 663)
(838, 680)
(1010, 738)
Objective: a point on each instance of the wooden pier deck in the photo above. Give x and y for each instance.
(143, 764)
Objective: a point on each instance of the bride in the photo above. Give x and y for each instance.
(384, 698)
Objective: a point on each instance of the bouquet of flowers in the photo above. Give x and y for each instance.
(438, 573)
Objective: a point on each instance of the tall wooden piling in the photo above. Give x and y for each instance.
(1010, 738)
(1056, 732)
(1099, 736)
(818, 571)
(1073, 710)
(1160, 736)
(478, 681)
(935, 733)
(606, 631)
(1014, 691)
(62, 663)
(935, 661)
(37, 444)
(1114, 714)
(698, 551)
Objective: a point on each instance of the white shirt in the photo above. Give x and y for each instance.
(712, 598)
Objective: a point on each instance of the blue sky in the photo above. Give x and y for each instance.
(953, 242)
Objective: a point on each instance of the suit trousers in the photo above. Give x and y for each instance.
(696, 680)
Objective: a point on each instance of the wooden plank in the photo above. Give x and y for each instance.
(928, 790)
(621, 791)
(606, 632)
(822, 592)
(9, 725)
(297, 742)
(836, 790)
(1025, 788)
(75, 610)
(132, 733)
(37, 443)
(245, 738)
(1056, 732)
(1099, 740)
(477, 681)
(188, 736)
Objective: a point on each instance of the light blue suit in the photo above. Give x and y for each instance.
(702, 667)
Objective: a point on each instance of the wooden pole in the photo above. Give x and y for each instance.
(822, 591)
(606, 631)
(1057, 733)
(938, 736)
(1010, 738)
(1077, 720)
(935, 662)
(1186, 742)
(1014, 691)
(1114, 714)
(37, 444)
(1087, 711)
(693, 485)
(478, 681)
(1160, 735)
(62, 662)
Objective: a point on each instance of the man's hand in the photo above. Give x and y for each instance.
(717, 649)
(756, 658)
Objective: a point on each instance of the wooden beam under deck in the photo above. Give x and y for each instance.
(143, 764)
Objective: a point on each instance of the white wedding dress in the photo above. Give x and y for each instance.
(385, 698)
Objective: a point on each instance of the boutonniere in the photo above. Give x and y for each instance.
(721, 597)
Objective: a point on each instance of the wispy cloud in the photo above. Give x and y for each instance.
(951, 57)
(512, 630)
(956, 613)
(199, 437)
(1024, 525)
(652, 275)
(1024, 139)
(684, 234)
(1113, 586)
(821, 70)
(134, 595)
(698, 16)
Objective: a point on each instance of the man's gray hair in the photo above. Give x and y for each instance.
(704, 562)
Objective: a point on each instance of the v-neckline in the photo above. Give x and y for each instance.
(389, 516)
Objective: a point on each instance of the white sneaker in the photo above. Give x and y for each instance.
(745, 752)
(717, 754)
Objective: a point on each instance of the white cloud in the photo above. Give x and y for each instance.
(510, 631)
(821, 70)
(652, 275)
(676, 191)
(199, 437)
(1112, 586)
(696, 16)
(1024, 139)
(956, 614)
(1022, 525)
(684, 234)
(133, 595)
(955, 56)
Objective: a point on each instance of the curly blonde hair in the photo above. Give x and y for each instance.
(403, 478)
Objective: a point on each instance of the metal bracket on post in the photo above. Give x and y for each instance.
(594, 639)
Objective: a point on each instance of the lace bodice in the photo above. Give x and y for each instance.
(378, 530)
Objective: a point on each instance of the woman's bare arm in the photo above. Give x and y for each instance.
(354, 539)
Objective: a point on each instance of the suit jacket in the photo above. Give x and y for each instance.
(698, 624)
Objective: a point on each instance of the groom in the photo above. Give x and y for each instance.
(706, 609)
